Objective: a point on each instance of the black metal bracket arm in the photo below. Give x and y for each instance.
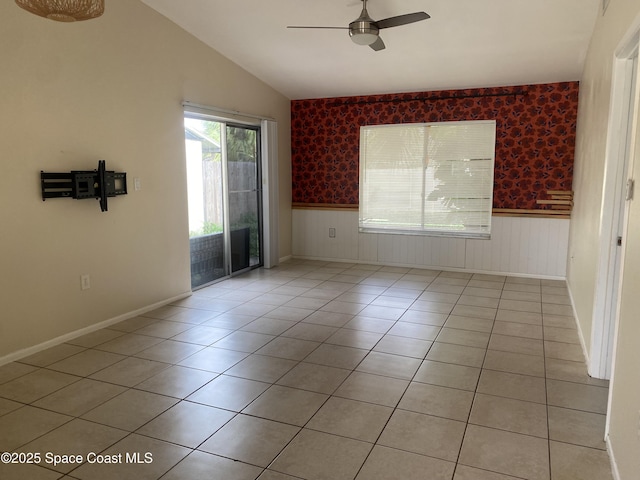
(99, 184)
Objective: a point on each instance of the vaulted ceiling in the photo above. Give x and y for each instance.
(465, 43)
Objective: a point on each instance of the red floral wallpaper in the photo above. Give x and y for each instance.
(535, 138)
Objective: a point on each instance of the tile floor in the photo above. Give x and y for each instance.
(319, 370)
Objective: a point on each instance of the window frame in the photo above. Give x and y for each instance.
(429, 162)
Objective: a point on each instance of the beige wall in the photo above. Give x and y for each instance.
(625, 395)
(111, 89)
(595, 93)
(593, 112)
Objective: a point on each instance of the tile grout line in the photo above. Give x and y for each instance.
(395, 408)
(352, 370)
(546, 387)
(475, 393)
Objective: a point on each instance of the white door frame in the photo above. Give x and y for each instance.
(606, 298)
(270, 191)
(269, 166)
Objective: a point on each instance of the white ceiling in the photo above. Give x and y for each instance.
(465, 44)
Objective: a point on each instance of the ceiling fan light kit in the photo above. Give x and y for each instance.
(366, 31)
(64, 10)
(363, 37)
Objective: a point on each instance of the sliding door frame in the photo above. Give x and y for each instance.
(269, 200)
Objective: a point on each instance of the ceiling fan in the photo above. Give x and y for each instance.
(365, 31)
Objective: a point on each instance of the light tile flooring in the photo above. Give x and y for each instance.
(319, 370)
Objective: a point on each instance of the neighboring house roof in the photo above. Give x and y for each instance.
(209, 145)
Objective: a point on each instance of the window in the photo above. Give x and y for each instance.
(427, 178)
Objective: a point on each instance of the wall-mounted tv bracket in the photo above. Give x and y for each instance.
(99, 184)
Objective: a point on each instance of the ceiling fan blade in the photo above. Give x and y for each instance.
(378, 45)
(402, 19)
(331, 28)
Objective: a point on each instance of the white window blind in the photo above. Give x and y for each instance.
(427, 178)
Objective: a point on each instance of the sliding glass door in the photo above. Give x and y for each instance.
(224, 190)
(244, 198)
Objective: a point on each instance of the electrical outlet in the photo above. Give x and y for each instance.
(136, 184)
(85, 282)
(332, 233)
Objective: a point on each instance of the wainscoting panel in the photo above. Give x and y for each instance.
(518, 245)
(311, 234)
(531, 246)
(421, 250)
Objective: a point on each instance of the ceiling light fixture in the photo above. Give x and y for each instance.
(363, 36)
(64, 10)
(364, 30)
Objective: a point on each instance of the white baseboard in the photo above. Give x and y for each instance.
(612, 458)
(25, 352)
(427, 267)
(583, 344)
(284, 259)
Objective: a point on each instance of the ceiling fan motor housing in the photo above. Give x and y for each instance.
(363, 31)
